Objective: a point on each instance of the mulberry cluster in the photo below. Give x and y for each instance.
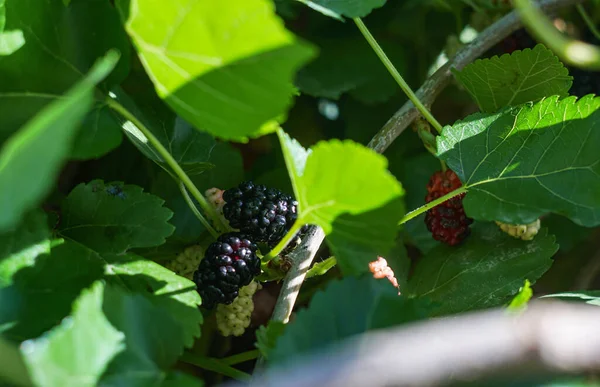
(525, 232)
(187, 261)
(229, 264)
(265, 214)
(233, 319)
(447, 221)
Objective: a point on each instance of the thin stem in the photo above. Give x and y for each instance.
(430, 205)
(443, 165)
(588, 20)
(192, 206)
(284, 242)
(390, 66)
(570, 51)
(241, 357)
(168, 158)
(215, 365)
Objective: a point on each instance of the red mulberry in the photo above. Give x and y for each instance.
(447, 221)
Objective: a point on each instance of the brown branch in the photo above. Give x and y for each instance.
(301, 259)
(550, 339)
(432, 87)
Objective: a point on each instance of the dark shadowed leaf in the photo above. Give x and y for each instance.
(483, 272)
(76, 352)
(114, 217)
(62, 44)
(344, 309)
(28, 165)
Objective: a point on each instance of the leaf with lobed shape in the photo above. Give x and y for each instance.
(523, 162)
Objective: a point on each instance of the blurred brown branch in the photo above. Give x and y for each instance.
(550, 339)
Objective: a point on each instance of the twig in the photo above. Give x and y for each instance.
(550, 339)
(428, 92)
(301, 258)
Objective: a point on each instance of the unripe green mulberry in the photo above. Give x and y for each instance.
(187, 261)
(522, 231)
(233, 319)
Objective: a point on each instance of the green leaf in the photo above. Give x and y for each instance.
(114, 217)
(266, 337)
(321, 268)
(526, 161)
(483, 272)
(398, 260)
(190, 148)
(153, 339)
(414, 174)
(27, 307)
(591, 297)
(28, 166)
(294, 155)
(522, 298)
(41, 295)
(348, 8)
(346, 189)
(21, 245)
(180, 379)
(234, 78)
(227, 172)
(12, 366)
(511, 80)
(76, 352)
(568, 234)
(174, 295)
(67, 41)
(101, 133)
(349, 65)
(318, 8)
(344, 309)
(11, 41)
(2, 14)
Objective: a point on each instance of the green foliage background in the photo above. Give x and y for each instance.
(286, 93)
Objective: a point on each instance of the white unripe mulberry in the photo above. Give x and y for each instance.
(187, 261)
(525, 232)
(233, 319)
